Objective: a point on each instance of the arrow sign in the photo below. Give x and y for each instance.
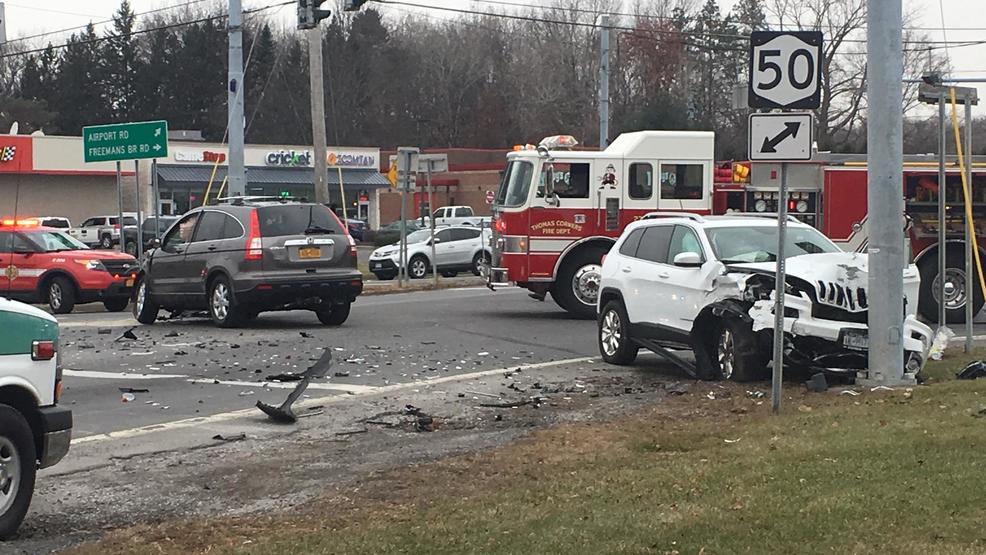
(780, 136)
(790, 130)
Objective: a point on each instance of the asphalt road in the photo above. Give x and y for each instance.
(192, 369)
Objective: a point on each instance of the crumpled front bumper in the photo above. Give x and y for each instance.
(827, 343)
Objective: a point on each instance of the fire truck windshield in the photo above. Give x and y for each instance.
(54, 241)
(759, 244)
(516, 184)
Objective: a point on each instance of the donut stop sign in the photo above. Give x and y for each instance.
(785, 69)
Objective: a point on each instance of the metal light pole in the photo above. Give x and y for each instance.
(316, 82)
(884, 142)
(942, 213)
(603, 81)
(971, 283)
(235, 89)
(777, 376)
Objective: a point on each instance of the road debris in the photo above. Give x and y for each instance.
(234, 437)
(287, 377)
(352, 432)
(133, 390)
(511, 405)
(482, 394)
(129, 334)
(973, 370)
(342, 373)
(128, 397)
(851, 392)
(283, 414)
(306, 335)
(755, 394)
(817, 383)
(881, 388)
(104, 331)
(737, 440)
(677, 388)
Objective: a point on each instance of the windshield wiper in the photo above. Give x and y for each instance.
(316, 230)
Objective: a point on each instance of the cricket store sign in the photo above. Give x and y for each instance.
(289, 158)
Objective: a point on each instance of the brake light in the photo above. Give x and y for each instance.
(255, 246)
(116, 226)
(353, 253)
(42, 350)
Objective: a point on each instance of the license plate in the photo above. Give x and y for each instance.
(310, 252)
(856, 341)
(377, 265)
(130, 282)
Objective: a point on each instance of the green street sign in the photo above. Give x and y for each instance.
(125, 141)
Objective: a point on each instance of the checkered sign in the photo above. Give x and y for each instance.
(7, 153)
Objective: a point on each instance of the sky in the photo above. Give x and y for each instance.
(963, 20)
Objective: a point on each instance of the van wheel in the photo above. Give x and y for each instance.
(577, 287)
(615, 344)
(61, 295)
(222, 305)
(335, 316)
(735, 353)
(144, 308)
(18, 469)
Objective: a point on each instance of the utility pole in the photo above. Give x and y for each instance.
(318, 114)
(235, 89)
(3, 24)
(603, 81)
(885, 168)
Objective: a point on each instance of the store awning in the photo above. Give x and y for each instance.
(363, 179)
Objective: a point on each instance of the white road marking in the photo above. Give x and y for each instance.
(227, 416)
(118, 375)
(129, 322)
(291, 385)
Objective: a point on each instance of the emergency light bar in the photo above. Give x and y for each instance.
(29, 222)
(556, 142)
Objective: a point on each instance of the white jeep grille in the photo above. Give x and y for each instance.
(847, 298)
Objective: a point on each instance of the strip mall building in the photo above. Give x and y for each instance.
(46, 176)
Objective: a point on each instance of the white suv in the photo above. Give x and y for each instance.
(457, 248)
(683, 281)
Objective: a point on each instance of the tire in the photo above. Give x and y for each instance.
(335, 316)
(17, 450)
(116, 304)
(615, 344)
(131, 248)
(955, 304)
(418, 267)
(60, 292)
(145, 310)
(577, 286)
(481, 258)
(735, 353)
(449, 273)
(223, 310)
(106, 242)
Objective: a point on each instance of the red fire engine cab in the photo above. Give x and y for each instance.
(40, 264)
(829, 193)
(559, 210)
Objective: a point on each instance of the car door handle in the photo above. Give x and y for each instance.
(626, 270)
(664, 275)
(213, 247)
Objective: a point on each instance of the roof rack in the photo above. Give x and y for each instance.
(690, 215)
(239, 200)
(767, 215)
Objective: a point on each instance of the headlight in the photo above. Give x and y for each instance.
(92, 264)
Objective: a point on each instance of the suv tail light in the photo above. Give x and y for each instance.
(255, 245)
(353, 252)
(43, 350)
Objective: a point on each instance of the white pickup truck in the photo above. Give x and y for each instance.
(102, 231)
(459, 215)
(34, 431)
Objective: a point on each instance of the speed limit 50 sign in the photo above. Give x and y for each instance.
(785, 69)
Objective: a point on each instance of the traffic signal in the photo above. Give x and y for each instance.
(309, 13)
(352, 5)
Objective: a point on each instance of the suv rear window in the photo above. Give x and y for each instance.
(294, 219)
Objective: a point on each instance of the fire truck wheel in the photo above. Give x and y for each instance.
(577, 286)
(60, 293)
(955, 291)
(614, 335)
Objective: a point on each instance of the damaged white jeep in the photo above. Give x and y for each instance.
(685, 282)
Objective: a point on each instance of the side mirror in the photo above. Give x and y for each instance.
(688, 260)
(549, 185)
(155, 243)
(436, 241)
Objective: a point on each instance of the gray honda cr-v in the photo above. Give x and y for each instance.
(249, 255)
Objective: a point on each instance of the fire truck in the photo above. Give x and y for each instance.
(829, 192)
(559, 209)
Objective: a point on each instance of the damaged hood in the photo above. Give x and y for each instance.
(846, 268)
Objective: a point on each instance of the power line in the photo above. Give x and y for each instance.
(80, 27)
(142, 31)
(34, 8)
(520, 17)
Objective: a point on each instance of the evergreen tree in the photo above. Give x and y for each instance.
(259, 77)
(80, 84)
(121, 65)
